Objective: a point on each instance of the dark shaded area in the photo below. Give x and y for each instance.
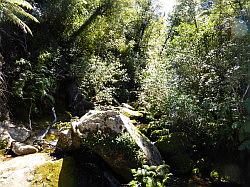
(70, 98)
(92, 171)
(67, 177)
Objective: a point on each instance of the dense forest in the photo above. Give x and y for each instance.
(185, 75)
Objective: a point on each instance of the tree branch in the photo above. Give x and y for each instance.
(99, 11)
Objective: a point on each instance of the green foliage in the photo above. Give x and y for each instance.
(99, 77)
(3, 144)
(13, 10)
(172, 144)
(113, 50)
(151, 176)
(181, 163)
(190, 72)
(244, 137)
(33, 82)
(245, 145)
(198, 86)
(214, 175)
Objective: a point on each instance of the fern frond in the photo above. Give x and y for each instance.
(13, 18)
(22, 12)
(12, 9)
(21, 3)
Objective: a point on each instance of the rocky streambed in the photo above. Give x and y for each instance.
(99, 149)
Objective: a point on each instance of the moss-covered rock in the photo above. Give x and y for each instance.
(172, 144)
(181, 163)
(59, 173)
(132, 114)
(114, 138)
(120, 152)
(156, 134)
(174, 148)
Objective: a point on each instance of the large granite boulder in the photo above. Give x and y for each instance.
(114, 138)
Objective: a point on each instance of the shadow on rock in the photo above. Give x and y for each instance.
(86, 169)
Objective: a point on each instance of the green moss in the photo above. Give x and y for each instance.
(131, 113)
(63, 125)
(173, 144)
(2, 155)
(119, 151)
(143, 128)
(59, 173)
(107, 144)
(3, 144)
(2, 152)
(51, 137)
(158, 133)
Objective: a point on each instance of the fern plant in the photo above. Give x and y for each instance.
(14, 11)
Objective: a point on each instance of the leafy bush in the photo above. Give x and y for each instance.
(100, 78)
(33, 85)
(199, 86)
(153, 176)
